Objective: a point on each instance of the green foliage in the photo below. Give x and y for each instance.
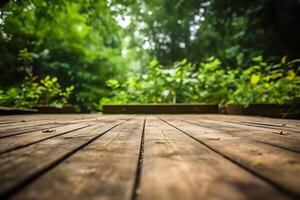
(25, 96)
(52, 94)
(85, 43)
(157, 85)
(79, 42)
(210, 83)
(31, 93)
(263, 83)
(231, 30)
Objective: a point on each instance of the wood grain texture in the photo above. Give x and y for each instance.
(105, 169)
(178, 167)
(21, 166)
(281, 139)
(26, 128)
(139, 157)
(20, 141)
(24, 118)
(8, 144)
(32, 126)
(266, 120)
(271, 164)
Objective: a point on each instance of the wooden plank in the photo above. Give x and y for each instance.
(40, 126)
(287, 127)
(286, 140)
(32, 123)
(24, 140)
(279, 125)
(20, 141)
(267, 125)
(105, 169)
(20, 167)
(33, 128)
(263, 122)
(177, 167)
(284, 122)
(24, 125)
(160, 108)
(255, 126)
(278, 122)
(55, 117)
(269, 163)
(15, 124)
(5, 122)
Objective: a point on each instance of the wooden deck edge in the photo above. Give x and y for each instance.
(54, 110)
(266, 110)
(14, 111)
(161, 109)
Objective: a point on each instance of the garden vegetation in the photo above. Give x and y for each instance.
(89, 53)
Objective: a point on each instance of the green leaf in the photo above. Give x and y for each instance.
(254, 79)
(257, 59)
(290, 75)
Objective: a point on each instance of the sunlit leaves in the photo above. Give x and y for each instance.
(112, 83)
(254, 79)
(290, 75)
(211, 83)
(32, 92)
(79, 42)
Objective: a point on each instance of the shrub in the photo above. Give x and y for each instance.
(210, 82)
(32, 92)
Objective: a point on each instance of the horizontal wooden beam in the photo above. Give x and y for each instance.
(13, 111)
(161, 109)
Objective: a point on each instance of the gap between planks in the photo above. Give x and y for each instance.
(137, 182)
(292, 193)
(22, 131)
(43, 170)
(138, 177)
(20, 141)
(26, 144)
(287, 141)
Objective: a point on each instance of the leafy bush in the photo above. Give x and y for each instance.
(210, 82)
(263, 83)
(52, 94)
(158, 85)
(211, 85)
(47, 91)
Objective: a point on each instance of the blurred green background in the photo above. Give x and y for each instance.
(88, 53)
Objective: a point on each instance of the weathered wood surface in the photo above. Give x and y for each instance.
(149, 157)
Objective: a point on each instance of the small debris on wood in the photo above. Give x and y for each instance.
(215, 139)
(280, 133)
(256, 162)
(48, 130)
(138, 191)
(292, 161)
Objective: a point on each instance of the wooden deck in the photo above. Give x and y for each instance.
(151, 157)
